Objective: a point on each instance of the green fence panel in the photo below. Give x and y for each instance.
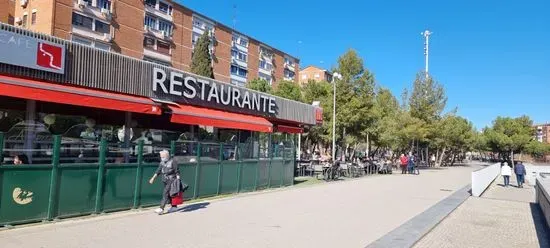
(230, 177)
(288, 175)
(248, 175)
(151, 194)
(187, 172)
(208, 179)
(119, 186)
(25, 191)
(263, 174)
(77, 190)
(275, 174)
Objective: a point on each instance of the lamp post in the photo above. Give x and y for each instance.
(334, 76)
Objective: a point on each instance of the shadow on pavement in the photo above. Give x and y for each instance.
(194, 207)
(543, 233)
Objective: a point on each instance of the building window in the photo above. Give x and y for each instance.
(289, 61)
(156, 61)
(149, 42)
(165, 8)
(24, 22)
(197, 23)
(264, 65)
(304, 76)
(165, 26)
(87, 42)
(265, 77)
(238, 83)
(238, 55)
(317, 75)
(289, 73)
(81, 41)
(102, 46)
(104, 4)
(102, 27)
(33, 18)
(151, 3)
(195, 38)
(82, 21)
(238, 71)
(243, 42)
(150, 22)
(163, 47)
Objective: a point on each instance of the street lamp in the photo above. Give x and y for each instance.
(334, 76)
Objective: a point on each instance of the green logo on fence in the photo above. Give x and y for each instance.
(22, 197)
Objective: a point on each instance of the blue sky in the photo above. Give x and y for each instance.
(493, 57)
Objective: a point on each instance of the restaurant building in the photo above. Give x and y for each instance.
(90, 123)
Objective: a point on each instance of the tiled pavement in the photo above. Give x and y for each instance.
(502, 217)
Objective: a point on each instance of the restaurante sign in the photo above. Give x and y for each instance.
(193, 88)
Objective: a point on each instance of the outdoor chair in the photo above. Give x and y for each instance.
(344, 170)
(318, 169)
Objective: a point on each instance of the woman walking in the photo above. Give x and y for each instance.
(506, 172)
(168, 169)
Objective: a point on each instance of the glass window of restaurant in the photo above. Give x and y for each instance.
(29, 127)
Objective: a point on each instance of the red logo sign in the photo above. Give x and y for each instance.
(319, 115)
(49, 56)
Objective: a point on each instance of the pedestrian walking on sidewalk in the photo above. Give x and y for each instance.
(168, 169)
(520, 173)
(506, 172)
(403, 160)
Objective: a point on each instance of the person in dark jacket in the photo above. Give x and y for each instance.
(168, 169)
(411, 163)
(520, 173)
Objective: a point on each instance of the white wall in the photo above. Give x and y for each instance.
(533, 172)
(481, 179)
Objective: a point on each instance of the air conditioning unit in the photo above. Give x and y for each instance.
(18, 20)
(82, 3)
(24, 3)
(107, 37)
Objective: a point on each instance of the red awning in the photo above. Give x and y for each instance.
(192, 115)
(64, 94)
(289, 129)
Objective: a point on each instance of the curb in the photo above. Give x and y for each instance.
(412, 231)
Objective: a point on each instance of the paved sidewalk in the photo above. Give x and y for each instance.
(352, 213)
(502, 217)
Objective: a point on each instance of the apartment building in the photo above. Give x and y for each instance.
(159, 31)
(543, 133)
(6, 11)
(314, 73)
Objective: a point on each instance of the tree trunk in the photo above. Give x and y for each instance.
(368, 147)
(454, 158)
(440, 159)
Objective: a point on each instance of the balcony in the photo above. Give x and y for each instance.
(99, 9)
(159, 9)
(239, 62)
(290, 66)
(81, 31)
(159, 34)
(151, 53)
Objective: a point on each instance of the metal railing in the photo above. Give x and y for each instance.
(38, 192)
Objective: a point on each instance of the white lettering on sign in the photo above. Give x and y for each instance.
(190, 87)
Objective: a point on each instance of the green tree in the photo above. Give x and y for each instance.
(289, 90)
(428, 98)
(509, 135)
(354, 100)
(322, 92)
(537, 149)
(201, 61)
(259, 84)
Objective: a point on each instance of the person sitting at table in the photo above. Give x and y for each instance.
(20, 159)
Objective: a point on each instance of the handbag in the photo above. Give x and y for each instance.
(178, 199)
